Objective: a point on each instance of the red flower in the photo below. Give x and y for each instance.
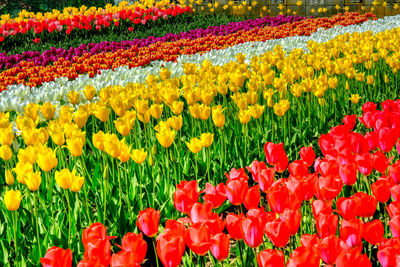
(198, 238)
(252, 231)
(298, 169)
(381, 190)
(373, 232)
(326, 224)
(252, 198)
(236, 191)
(202, 213)
(278, 198)
(276, 156)
(148, 221)
(58, 257)
(170, 248)
(278, 232)
(233, 225)
(304, 257)
(292, 218)
(270, 257)
(133, 251)
(220, 246)
(394, 224)
(36, 40)
(185, 196)
(307, 155)
(330, 249)
(368, 207)
(347, 207)
(97, 245)
(349, 122)
(216, 196)
(266, 179)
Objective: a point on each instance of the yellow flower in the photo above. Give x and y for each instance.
(347, 86)
(279, 110)
(217, 116)
(195, 111)
(298, 3)
(257, 110)
(46, 159)
(176, 107)
(112, 145)
(56, 134)
(206, 139)
(5, 153)
(244, 116)
(175, 122)
(194, 145)
(9, 177)
(321, 101)
(80, 117)
(21, 168)
(156, 110)
(346, 8)
(64, 178)
(73, 97)
(89, 92)
(332, 82)
(66, 114)
(396, 6)
(98, 140)
(27, 155)
(118, 106)
(48, 110)
(12, 199)
(101, 112)
(33, 180)
(75, 146)
(124, 154)
(312, 11)
(76, 183)
(337, 7)
(386, 78)
(138, 155)
(32, 111)
(166, 73)
(6, 135)
(355, 98)
(370, 79)
(166, 138)
(123, 126)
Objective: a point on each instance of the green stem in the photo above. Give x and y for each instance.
(69, 216)
(155, 251)
(37, 224)
(14, 215)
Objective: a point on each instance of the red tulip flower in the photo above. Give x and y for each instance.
(304, 257)
(381, 190)
(298, 169)
(330, 249)
(349, 122)
(348, 174)
(252, 231)
(266, 179)
(326, 224)
(276, 156)
(124, 258)
(270, 257)
(202, 213)
(394, 224)
(278, 198)
(233, 225)
(216, 196)
(252, 198)
(170, 248)
(97, 245)
(220, 246)
(394, 172)
(278, 232)
(198, 238)
(255, 169)
(185, 196)
(395, 192)
(308, 240)
(148, 221)
(387, 139)
(352, 257)
(321, 207)
(307, 155)
(368, 207)
(236, 191)
(56, 256)
(133, 251)
(347, 207)
(292, 218)
(36, 40)
(373, 232)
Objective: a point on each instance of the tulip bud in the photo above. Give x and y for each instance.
(12, 199)
(154, 149)
(9, 177)
(151, 160)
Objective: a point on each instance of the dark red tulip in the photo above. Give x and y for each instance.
(216, 196)
(233, 225)
(292, 218)
(278, 198)
(271, 257)
(348, 174)
(347, 207)
(381, 190)
(220, 246)
(330, 249)
(252, 231)
(304, 257)
(326, 224)
(266, 179)
(252, 199)
(236, 191)
(198, 238)
(170, 248)
(349, 122)
(373, 232)
(394, 224)
(185, 196)
(278, 232)
(307, 155)
(57, 257)
(368, 207)
(148, 221)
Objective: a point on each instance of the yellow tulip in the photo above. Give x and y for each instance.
(176, 107)
(206, 139)
(244, 116)
(347, 86)
(118, 106)
(12, 199)
(4, 119)
(75, 146)
(355, 98)
(48, 110)
(166, 138)
(145, 118)
(5, 153)
(386, 78)
(66, 114)
(218, 116)
(21, 168)
(80, 117)
(33, 180)
(76, 183)
(279, 110)
(298, 3)
(73, 97)
(256, 111)
(138, 156)
(98, 140)
(9, 177)
(43, 136)
(27, 155)
(195, 145)
(64, 178)
(112, 145)
(156, 110)
(89, 92)
(195, 110)
(175, 122)
(165, 74)
(101, 112)
(56, 134)
(321, 101)
(6, 135)
(123, 126)
(46, 159)
(370, 79)
(205, 112)
(332, 82)
(124, 154)
(32, 111)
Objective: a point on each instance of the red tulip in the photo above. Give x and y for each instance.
(330, 249)
(373, 232)
(351, 234)
(307, 155)
(364, 164)
(387, 139)
(380, 162)
(216, 196)
(381, 190)
(372, 139)
(233, 225)
(368, 207)
(220, 246)
(278, 198)
(347, 207)
(202, 213)
(395, 192)
(276, 156)
(124, 258)
(260, 213)
(394, 172)
(237, 174)
(252, 231)
(352, 257)
(185, 196)
(271, 257)
(278, 232)
(252, 198)
(327, 188)
(349, 122)
(394, 224)
(298, 169)
(304, 257)
(321, 207)
(326, 224)
(255, 169)
(97, 245)
(307, 240)
(236, 191)
(170, 248)
(348, 173)
(393, 209)
(58, 257)
(198, 238)
(266, 179)
(175, 227)
(369, 106)
(148, 221)
(292, 218)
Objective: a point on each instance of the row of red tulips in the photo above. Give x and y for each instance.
(336, 194)
(29, 74)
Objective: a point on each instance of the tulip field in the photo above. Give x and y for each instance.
(150, 134)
